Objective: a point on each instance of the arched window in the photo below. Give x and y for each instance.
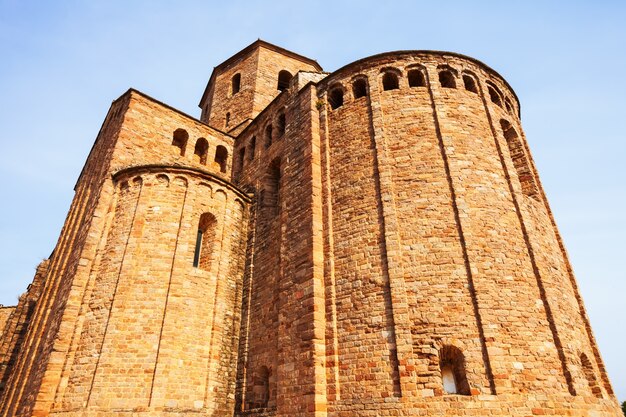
(227, 119)
(281, 125)
(268, 136)
(590, 375)
(494, 95)
(180, 141)
(416, 78)
(359, 88)
(205, 240)
(509, 106)
(469, 83)
(235, 84)
(520, 160)
(221, 157)
(201, 151)
(252, 148)
(446, 79)
(283, 80)
(335, 98)
(390, 81)
(452, 366)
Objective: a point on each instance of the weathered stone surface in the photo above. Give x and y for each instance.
(374, 242)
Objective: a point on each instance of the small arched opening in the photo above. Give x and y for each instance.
(335, 98)
(520, 160)
(453, 374)
(359, 88)
(416, 78)
(179, 141)
(390, 81)
(221, 157)
(284, 77)
(470, 84)
(447, 79)
(494, 95)
(235, 84)
(200, 151)
(205, 240)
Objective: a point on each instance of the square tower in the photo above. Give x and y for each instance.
(243, 85)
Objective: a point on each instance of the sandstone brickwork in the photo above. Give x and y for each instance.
(370, 242)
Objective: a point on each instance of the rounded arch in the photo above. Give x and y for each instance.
(284, 77)
(221, 157)
(205, 241)
(163, 179)
(335, 96)
(469, 82)
(447, 76)
(416, 77)
(390, 79)
(520, 160)
(201, 151)
(453, 373)
(495, 95)
(359, 86)
(179, 141)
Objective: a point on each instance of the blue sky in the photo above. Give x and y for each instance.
(63, 62)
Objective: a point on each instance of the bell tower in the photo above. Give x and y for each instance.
(243, 85)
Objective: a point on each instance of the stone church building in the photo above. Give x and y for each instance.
(369, 242)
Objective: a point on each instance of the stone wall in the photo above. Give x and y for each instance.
(374, 241)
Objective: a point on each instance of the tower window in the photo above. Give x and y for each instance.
(359, 88)
(221, 157)
(268, 136)
(281, 125)
(205, 240)
(494, 95)
(335, 98)
(469, 83)
(520, 160)
(416, 78)
(283, 80)
(446, 79)
(390, 81)
(452, 366)
(252, 149)
(227, 119)
(235, 84)
(180, 140)
(201, 150)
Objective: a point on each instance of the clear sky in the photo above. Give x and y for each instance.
(63, 62)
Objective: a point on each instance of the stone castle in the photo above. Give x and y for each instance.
(373, 241)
